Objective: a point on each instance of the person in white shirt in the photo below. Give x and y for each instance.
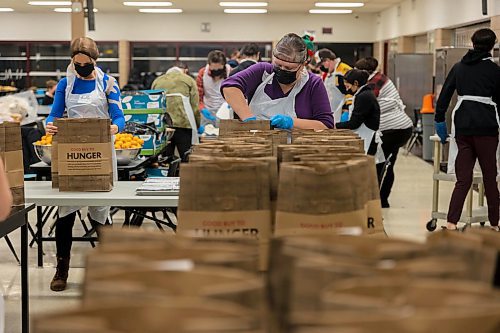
(395, 125)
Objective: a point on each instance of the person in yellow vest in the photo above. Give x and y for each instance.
(334, 70)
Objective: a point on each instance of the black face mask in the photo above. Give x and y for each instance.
(284, 76)
(350, 92)
(323, 69)
(217, 72)
(84, 70)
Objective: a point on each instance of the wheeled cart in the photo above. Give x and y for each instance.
(471, 215)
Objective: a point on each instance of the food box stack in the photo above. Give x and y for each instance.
(11, 153)
(82, 155)
(143, 281)
(147, 107)
(168, 283)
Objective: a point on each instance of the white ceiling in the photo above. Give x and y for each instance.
(206, 6)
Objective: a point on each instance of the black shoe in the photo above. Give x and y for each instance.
(385, 204)
(59, 281)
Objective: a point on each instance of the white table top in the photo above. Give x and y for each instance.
(122, 195)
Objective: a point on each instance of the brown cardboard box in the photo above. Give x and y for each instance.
(11, 153)
(84, 155)
(231, 125)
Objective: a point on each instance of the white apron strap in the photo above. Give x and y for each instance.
(190, 115)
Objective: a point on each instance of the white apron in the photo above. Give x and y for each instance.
(212, 98)
(264, 108)
(188, 109)
(368, 134)
(90, 105)
(453, 150)
(336, 97)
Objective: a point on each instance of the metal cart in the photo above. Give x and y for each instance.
(471, 215)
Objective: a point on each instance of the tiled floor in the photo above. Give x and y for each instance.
(410, 210)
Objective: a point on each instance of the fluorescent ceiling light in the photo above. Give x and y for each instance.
(50, 3)
(160, 10)
(330, 11)
(245, 11)
(243, 4)
(4, 10)
(68, 10)
(148, 3)
(339, 4)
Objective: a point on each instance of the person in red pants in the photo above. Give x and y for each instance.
(474, 134)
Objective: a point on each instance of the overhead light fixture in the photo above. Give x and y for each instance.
(49, 3)
(330, 11)
(5, 10)
(148, 3)
(243, 4)
(245, 11)
(339, 4)
(160, 10)
(69, 10)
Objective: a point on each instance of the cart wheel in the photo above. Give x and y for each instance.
(482, 224)
(431, 225)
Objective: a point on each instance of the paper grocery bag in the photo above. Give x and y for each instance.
(232, 125)
(226, 200)
(11, 154)
(181, 315)
(84, 155)
(54, 165)
(318, 197)
(176, 279)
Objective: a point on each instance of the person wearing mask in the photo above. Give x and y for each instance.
(234, 58)
(209, 82)
(250, 55)
(364, 112)
(474, 131)
(333, 70)
(5, 194)
(48, 99)
(283, 92)
(395, 125)
(182, 106)
(85, 92)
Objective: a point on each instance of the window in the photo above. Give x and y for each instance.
(151, 57)
(26, 64)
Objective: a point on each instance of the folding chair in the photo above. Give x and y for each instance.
(417, 135)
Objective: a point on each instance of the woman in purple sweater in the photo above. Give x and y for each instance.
(283, 92)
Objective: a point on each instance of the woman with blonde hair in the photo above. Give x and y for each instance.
(86, 92)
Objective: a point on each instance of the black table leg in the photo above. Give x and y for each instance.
(39, 234)
(25, 306)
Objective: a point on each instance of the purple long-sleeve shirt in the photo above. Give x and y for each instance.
(310, 103)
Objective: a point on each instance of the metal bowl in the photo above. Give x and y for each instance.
(169, 133)
(44, 152)
(125, 156)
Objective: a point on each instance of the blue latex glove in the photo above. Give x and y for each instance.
(201, 129)
(344, 117)
(441, 131)
(250, 119)
(208, 115)
(282, 121)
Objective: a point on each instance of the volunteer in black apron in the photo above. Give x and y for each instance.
(474, 129)
(364, 113)
(86, 92)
